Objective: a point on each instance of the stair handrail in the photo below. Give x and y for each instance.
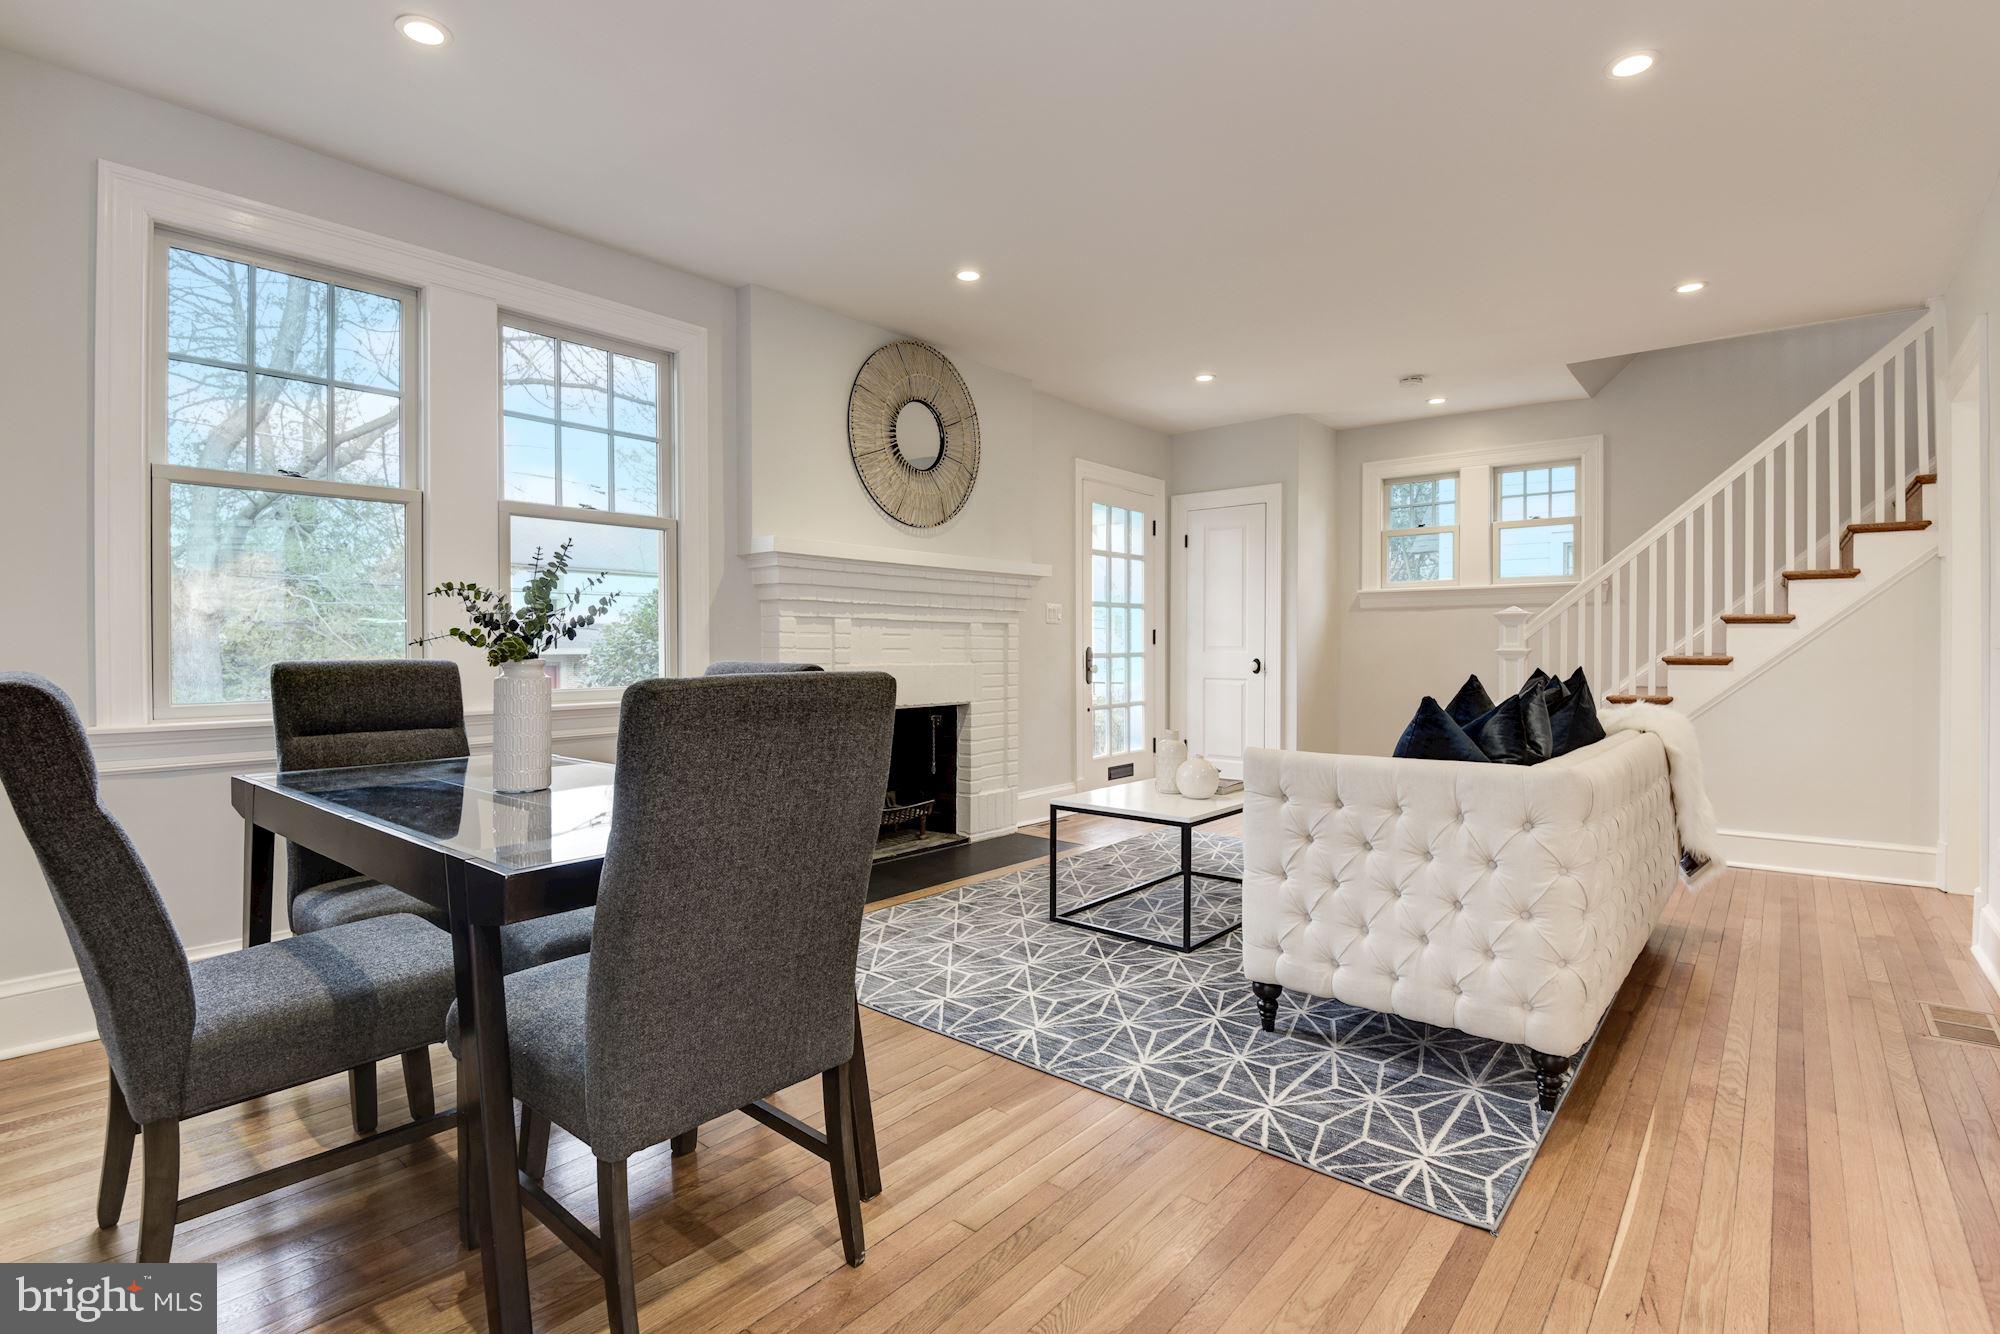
(1593, 579)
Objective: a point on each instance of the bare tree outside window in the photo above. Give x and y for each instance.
(1421, 535)
(272, 375)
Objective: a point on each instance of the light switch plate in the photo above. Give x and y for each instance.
(1054, 613)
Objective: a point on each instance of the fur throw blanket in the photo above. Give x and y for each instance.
(1694, 817)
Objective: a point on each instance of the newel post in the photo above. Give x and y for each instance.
(1513, 647)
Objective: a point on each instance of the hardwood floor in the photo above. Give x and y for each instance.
(1764, 1138)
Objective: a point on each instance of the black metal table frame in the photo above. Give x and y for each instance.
(478, 898)
(1187, 875)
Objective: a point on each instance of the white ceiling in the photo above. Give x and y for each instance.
(1308, 199)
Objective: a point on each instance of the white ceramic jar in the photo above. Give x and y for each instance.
(1197, 778)
(1169, 753)
(522, 699)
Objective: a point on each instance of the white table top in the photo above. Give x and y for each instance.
(1139, 799)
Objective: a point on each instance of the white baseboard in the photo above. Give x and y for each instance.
(1836, 858)
(1034, 803)
(51, 1010)
(1986, 941)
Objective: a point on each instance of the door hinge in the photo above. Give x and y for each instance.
(1156, 636)
(1156, 528)
(1184, 539)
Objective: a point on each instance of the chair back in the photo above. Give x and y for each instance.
(134, 967)
(737, 667)
(729, 912)
(333, 715)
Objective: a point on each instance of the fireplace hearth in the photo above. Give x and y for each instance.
(920, 807)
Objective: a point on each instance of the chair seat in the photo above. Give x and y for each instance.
(299, 1009)
(545, 1026)
(541, 940)
(357, 899)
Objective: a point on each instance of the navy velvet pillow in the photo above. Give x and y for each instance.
(1575, 724)
(1516, 730)
(1432, 735)
(1470, 701)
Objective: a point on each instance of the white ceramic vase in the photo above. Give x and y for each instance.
(1197, 778)
(521, 719)
(1169, 753)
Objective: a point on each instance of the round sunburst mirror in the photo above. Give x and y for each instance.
(913, 433)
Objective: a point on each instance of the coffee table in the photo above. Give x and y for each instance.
(1142, 802)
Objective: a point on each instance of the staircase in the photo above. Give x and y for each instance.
(1824, 515)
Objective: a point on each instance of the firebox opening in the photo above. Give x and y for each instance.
(920, 809)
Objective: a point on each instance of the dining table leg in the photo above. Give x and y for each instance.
(482, 1022)
(260, 855)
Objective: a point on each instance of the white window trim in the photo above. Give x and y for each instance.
(1476, 585)
(131, 206)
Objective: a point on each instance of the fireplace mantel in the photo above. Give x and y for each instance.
(947, 628)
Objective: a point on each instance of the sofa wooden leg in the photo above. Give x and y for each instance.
(683, 1143)
(1551, 1073)
(1267, 1004)
(534, 1150)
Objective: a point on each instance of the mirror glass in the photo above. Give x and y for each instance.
(919, 438)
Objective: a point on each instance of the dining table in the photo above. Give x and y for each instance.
(440, 831)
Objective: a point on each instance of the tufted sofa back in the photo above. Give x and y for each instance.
(1504, 901)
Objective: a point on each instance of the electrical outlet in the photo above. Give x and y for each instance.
(1054, 613)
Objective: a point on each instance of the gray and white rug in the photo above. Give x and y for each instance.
(1428, 1116)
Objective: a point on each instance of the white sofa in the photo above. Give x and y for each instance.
(1508, 902)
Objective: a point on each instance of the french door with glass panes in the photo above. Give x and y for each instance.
(1122, 585)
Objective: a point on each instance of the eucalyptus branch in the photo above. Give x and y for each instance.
(545, 618)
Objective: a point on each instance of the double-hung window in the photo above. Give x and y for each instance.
(1487, 528)
(585, 459)
(283, 464)
(1534, 522)
(1420, 536)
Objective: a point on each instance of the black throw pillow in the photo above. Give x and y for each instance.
(1432, 735)
(1470, 701)
(1516, 730)
(1575, 724)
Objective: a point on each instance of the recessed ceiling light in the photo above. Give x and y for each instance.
(1690, 287)
(1434, 402)
(968, 275)
(1203, 378)
(423, 31)
(1633, 65)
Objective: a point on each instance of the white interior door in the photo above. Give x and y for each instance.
(1230, 628)
(1120, 594)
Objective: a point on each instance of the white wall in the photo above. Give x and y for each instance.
(1829, 761)
(54, 127)
(1973, 296)
(796, 481)
(1671, 421)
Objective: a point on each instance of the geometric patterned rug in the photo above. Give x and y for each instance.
(1429, 1116)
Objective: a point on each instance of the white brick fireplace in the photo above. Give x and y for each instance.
(947, 628)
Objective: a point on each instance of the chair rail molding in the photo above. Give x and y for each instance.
(131, 206)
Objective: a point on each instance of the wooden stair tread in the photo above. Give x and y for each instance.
(1822, 574)
(1638, 699)
(1696, 659)
(1900, 526)
(1758, 618)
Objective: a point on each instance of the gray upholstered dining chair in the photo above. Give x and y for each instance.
(744, 667)
(339, 714)
(728, 919)
(187, 1038)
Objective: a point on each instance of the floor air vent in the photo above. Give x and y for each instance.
(1954, 1024)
